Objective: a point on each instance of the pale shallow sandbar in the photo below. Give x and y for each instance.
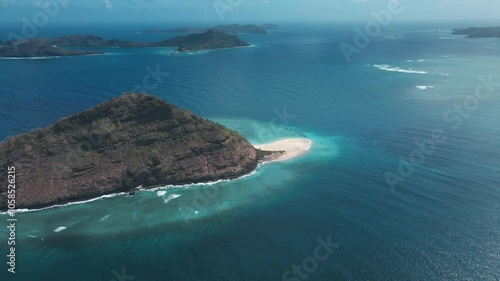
(286, 148)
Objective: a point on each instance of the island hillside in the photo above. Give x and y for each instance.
(131, 141)
(228, 28)
(38, 48)
(92, 41)
(478, 32)
(211, 39)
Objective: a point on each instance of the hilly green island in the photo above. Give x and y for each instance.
(228, 28)
(51, 47)
(133, 141)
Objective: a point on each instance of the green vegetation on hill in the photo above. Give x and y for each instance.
(130, 141)
(211, 39)
(228, 28)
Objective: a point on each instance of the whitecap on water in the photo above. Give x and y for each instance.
(60, 228)
(387, 67)
(171, 197)
(415, 60)
(105, 218)
(424, 87)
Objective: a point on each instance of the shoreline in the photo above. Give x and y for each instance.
(137, 190)
(293, 147)
(288, 149)
(204, 51)
(49, 57)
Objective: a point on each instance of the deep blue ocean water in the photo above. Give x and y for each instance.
(441, 223)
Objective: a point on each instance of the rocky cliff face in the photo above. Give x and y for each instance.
(117, 146)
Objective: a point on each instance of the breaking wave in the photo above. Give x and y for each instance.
(387, 67)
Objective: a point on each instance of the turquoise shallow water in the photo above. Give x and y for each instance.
(441, 223)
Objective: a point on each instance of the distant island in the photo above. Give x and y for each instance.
(131, 142)
(229, 28)
(44, 47)
(478, 32)
(269, 26)
(212, 39)
(38, 48)
(93, 41)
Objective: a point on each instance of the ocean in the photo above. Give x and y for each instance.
(402, 181)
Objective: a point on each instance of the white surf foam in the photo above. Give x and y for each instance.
(142, 190)
(387, 67)
(31, 58)
(68, 204)
(45, 58)
(415, 60)
(171, 197)
(203, 183)
(161, 193)
(105, 218)
(424, 87)
(59, 229)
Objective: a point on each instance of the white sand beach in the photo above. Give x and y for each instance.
(292, 147)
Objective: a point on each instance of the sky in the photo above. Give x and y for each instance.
(240, 11)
